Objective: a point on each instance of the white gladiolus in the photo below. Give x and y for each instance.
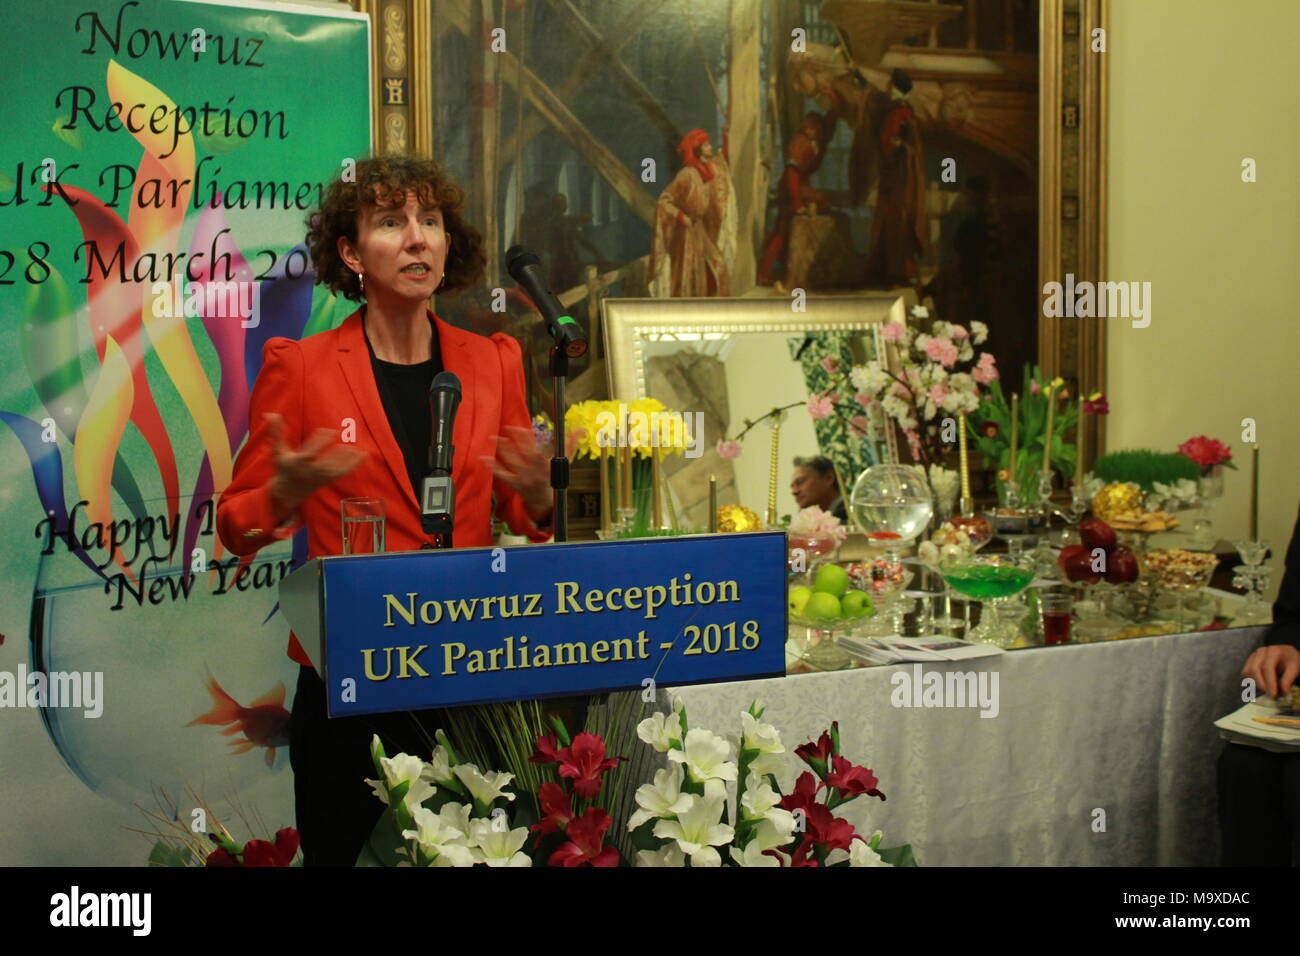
(498, 847)
(400, 769)
(662, 798)
(706, 756)
(659, 730)
(437, 839)
(755, 735)
(484, 788)
(670, 855)
(698, 830)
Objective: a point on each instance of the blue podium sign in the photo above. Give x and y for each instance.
(427, 629)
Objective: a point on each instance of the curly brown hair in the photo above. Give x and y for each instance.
(385, 181)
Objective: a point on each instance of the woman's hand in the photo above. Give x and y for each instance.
(1273, 668)
(526, 468)
(320, 460)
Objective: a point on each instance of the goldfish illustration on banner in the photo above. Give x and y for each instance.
(152, 245)
(264, 722)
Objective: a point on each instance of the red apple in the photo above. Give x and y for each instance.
(1095, 533)
(1121, 566)
(1076, 564)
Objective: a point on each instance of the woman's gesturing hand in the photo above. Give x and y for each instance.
(318, 461)
(526, 467)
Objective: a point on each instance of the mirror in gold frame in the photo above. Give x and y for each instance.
(723, 361)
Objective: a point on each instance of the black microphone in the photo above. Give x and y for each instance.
(526, 269)
(438, 495)
(444, 400)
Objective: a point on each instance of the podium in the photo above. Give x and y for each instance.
(424, 629)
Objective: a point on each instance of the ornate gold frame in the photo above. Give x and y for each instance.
(627, 323)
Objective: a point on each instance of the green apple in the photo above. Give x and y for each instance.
(858, 604)
(831, 579)
(823, 607)
(798, 598)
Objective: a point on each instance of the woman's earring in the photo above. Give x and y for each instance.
(361, 278)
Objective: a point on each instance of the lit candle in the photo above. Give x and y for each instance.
(1015, 432)
(713, 505)
(1254, 493)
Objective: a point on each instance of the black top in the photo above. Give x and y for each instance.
(1286, 610)
(404, 390)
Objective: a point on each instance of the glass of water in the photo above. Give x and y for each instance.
(363, 525)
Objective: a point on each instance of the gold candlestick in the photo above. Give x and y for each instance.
(656, 515)
(1015, 432)
(1079, 448)
(771, 480)
(1254, 493)
(628, 491)
(604, 485)
(1047, 439)
(966, 508)
(713, 505)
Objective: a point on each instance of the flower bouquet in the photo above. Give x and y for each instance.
(716, 803)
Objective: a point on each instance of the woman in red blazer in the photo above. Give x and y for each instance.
(393, 236)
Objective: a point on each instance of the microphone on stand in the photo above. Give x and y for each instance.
(438, 495)
(526, 269)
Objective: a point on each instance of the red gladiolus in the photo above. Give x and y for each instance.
(280, 853)
(826, 829)
(547, 750)
(219, 857)
(852, 781)
(557, 809)
(586, 834)
(804, 794)
(800, 855)
(1096, 405)
(816, 755)
(584, 762)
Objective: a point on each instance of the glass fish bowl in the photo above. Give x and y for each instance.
(892, 504)
(192, 688)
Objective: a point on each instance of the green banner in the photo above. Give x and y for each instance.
(160, 160)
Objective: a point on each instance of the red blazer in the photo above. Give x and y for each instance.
(326, 381)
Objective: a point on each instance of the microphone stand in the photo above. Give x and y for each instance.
(559, 462)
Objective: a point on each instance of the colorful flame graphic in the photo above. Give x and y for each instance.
(120, 318)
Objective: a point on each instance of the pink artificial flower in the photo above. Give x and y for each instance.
(864, 399)
(830, 364)
(858, 426)
(892, 331)
(728, 449)
(914, 441)
(902, 391)
(813, 522)
(1034, 387)
(941, 351)
(820, 406)
(959, 332)
(985, 371)
(938, 392)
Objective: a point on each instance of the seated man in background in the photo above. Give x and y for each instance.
(814, 483)
(1259, 791)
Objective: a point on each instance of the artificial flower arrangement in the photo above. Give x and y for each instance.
(939, 376)
(717, 803)
(992, 431)
(814, 524)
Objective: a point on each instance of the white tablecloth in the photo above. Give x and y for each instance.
(1123, 726)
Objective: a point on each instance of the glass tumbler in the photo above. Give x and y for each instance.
(363, 525)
